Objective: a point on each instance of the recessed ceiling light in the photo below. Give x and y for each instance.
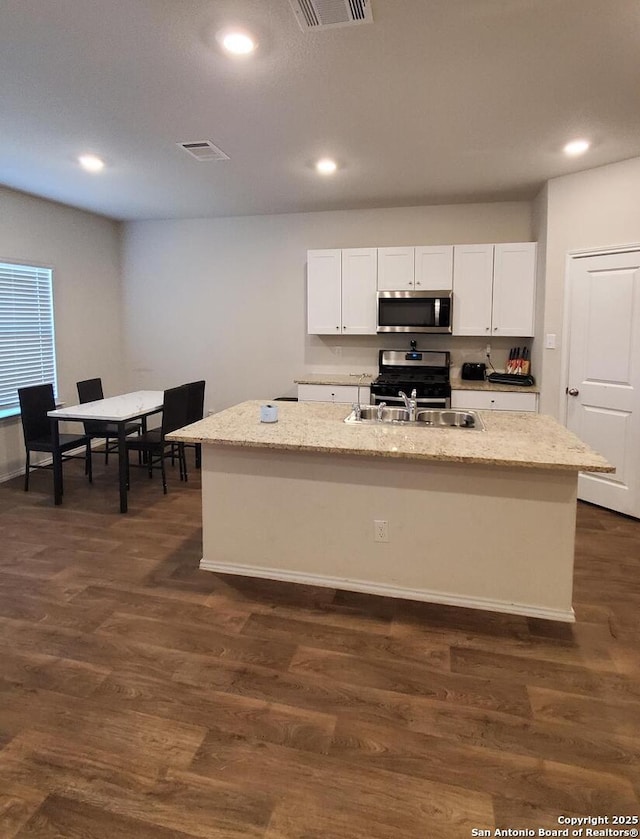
(576, 147)
(90, 162)
(326, 166)
(238, 43)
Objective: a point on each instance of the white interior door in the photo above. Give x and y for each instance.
(603, 393)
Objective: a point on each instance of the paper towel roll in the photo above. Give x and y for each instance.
(268, 413)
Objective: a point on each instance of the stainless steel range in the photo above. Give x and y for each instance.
(425, 371)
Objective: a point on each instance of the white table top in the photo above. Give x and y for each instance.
(115, 408)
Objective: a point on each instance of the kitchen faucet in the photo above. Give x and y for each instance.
(357, 408)
(410, 404)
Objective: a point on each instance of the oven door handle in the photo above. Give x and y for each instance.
(387, 399)
(423, 402)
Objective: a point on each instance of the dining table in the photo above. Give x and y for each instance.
(120, 410)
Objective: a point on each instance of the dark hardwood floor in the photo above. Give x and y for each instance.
(141, 697)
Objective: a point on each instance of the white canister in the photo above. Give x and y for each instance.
(268, 413)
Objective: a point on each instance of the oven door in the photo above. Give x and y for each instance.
(423, 402)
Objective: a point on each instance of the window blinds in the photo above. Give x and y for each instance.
(27, 350)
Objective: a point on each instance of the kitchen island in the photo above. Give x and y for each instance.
(483, 519)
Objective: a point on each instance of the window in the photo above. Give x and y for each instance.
(27, 350)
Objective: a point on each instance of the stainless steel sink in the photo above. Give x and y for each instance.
(370, 412)
(449, 419)
(426, 418)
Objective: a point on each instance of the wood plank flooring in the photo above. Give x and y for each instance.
(141, 697)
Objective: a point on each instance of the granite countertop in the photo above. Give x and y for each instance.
(511, 438)
(457, 383)
(468, 384)
(335, 379)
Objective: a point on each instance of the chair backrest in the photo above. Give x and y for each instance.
(195, 406)
(174, 408)
(90, 390)
(35, 401)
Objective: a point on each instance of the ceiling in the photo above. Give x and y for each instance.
(436, 101)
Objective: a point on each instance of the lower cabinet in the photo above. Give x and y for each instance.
(334, 393)
(488, 400)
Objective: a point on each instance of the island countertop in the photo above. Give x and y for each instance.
(510, 439)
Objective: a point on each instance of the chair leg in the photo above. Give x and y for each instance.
(26, 472)
(106, 451)
(88, 468)
(198, 455)
(164, 474)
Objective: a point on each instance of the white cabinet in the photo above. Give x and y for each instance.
(434, 268)
(396, 269)
(514, 289)
(359, 301)
(493, 286)
(341, 291)
(472, 289)
(324, 292)
(494, 289)
(494, 400)
(334, 393)
(421, 268)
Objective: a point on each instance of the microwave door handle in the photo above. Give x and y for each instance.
(436, 312)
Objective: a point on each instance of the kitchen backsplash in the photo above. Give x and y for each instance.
(359, 353)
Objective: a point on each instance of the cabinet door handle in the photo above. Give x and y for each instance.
(573, 391)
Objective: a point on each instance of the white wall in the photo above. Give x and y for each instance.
(540, 234)
(84, 251)
(595, 209)
(225, 299)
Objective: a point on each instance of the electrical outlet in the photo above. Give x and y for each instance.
(488, 350)
(380, 530)
(337, 351)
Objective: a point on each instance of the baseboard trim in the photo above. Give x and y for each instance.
(443, 598)
(47, 461)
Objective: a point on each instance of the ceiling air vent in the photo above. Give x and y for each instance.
(322, 14)
(204, 150)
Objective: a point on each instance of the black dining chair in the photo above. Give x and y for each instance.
(195, 412)
(153, 443)
(35, 402)
(90, 390)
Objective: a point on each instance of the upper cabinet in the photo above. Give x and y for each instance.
(493, 286)
(472, 289)
(514, 289)
(421, 268)
(494, 289)
(324, 292)
(341, 291)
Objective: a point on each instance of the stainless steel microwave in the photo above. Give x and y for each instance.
(415, 311)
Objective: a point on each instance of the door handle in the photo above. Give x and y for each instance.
(573, 391)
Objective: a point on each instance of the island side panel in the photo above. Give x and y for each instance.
(472, 535)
